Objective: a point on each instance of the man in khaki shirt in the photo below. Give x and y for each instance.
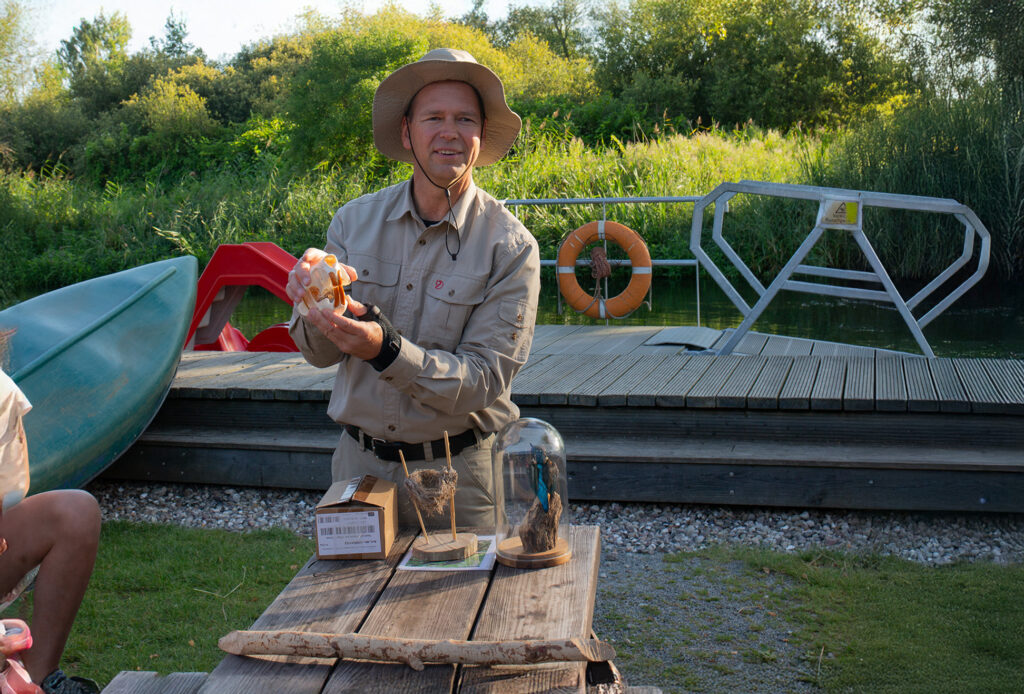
(444, 294)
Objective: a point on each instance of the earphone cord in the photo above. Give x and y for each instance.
(448, 198)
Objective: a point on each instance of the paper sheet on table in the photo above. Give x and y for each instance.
(483, 560)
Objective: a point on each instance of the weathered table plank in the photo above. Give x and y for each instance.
(415, 605)
(318, 600)
(555, 603)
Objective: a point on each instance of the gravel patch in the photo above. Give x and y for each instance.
(698, 626)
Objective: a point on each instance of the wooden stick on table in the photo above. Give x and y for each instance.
(426, 537)
(448, 455)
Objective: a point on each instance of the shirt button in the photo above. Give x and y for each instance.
(408, 286)
(365, 272)
(519, 317)
(513, 336)
(451, 292)
(391, 427)
(388, 378)
(423, 242)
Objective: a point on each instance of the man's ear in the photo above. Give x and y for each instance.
(406, 140)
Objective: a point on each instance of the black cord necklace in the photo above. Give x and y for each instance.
(448, 198)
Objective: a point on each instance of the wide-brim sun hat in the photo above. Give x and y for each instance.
(392, 98)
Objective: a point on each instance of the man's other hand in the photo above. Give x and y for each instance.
(361, 339)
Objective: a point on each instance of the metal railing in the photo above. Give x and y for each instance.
(838, 210)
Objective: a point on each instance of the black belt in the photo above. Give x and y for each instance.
(388, 450)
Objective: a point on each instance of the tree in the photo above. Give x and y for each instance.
(560, 25)
(93, 58)
(989, 30)
(17, 51)
(173, 44)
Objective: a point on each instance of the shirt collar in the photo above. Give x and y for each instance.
(404, 205)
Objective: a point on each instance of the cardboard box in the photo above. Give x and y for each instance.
(357, 519)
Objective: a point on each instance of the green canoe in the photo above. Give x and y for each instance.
(96, 360)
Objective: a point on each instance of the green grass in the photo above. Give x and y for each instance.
(161, 596)
(762, 621)
(897, 626)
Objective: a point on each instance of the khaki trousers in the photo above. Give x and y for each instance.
(474, 498)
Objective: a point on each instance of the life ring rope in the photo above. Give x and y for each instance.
(624, 303)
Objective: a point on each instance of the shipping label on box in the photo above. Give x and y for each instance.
(357, 519)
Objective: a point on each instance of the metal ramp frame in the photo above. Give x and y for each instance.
(838, 209)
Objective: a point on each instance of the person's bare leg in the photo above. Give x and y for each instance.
(58, 531)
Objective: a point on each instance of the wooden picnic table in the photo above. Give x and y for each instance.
(376, 598)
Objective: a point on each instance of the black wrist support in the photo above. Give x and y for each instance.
(392, 343)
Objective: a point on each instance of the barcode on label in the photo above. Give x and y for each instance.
(347, 529)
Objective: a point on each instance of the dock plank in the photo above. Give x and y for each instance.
(512, 612)
(764, 393)
(557, 391)
(546, 335)
(733, 392)
(921, 396)
(890, 385)
(586, 394)
(859, 388)
(949, 391)
(525, 385)
(705, 391)
(616, 393)
(981, 390)
(645, 393)
(786, 346)
(827, 393)
(307, 604)
(672, 393)
(796, 391)
(1008, 377)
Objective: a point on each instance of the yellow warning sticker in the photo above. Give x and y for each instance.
(844, 212)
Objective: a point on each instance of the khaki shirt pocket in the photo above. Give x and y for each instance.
(376, 280)
(449, 302)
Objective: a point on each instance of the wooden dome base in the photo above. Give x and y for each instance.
(441, 547)
(510, 552)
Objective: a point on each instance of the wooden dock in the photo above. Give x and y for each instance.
(645, 417)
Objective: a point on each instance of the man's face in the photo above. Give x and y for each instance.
(444, 130)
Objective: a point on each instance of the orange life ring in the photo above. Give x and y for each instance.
(631, 297)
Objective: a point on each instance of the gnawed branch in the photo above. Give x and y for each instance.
(414, 652)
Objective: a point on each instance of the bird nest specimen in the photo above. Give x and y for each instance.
(430, 489)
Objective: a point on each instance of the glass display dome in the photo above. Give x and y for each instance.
(533, 523)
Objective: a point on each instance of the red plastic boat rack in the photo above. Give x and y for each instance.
(232, 269)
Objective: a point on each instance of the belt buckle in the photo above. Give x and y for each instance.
(374, 442)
